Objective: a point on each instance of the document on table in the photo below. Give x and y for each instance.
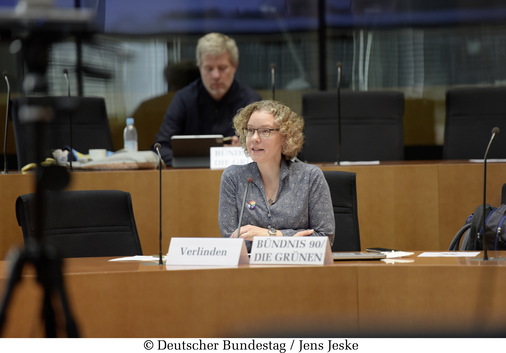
(450, 254)
(359, 162)
(491, 160)
(138, 258)
(390, 254)
(396, 254)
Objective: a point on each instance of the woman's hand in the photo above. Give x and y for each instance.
(249, 231)
(304, 233)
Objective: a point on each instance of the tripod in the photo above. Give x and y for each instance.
(37, 37)
(48, 267)
(45, 259)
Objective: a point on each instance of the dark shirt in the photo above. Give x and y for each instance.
(193, 111)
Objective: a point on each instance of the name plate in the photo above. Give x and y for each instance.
(291, 251)
(222, 157)
(207, 251)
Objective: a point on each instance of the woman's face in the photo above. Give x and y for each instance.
(260, 148)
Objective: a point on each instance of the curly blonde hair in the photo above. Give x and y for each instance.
(290, 123)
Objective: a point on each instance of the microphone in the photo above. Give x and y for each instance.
(243, 205)
(339, 144)
(273, 81)
(66, 74)
(495, 131)
(157, 147)
(6, 121)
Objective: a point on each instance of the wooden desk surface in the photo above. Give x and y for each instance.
(426, 297)
(408, 205)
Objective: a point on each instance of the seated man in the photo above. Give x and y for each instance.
(208, 104)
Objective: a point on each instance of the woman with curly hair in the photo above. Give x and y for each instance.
(285, 197)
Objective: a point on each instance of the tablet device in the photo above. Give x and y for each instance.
(380, 249)
(194, 151)
(357, 255)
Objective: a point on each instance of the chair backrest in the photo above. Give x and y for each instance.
(90, 126)
(371, 123)
(82, 223)
(343, 190)
(471, 114)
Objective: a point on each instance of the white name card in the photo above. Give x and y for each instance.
(291, 251)
(222, 157)
(207, 251)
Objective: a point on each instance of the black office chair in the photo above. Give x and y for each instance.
(471, 114)
(90, 126)
(371, 122)
(343, 190)
(82, 223)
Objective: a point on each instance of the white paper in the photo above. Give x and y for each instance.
(396, 254)
(359, 162)
(450, 254)
(138, 258)
(491, 160)
(398, 261)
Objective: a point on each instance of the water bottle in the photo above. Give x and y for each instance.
(130, 136)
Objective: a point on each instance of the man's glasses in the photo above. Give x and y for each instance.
(262, 132)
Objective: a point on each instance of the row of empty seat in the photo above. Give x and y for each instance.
(471, 114)
(101, 222)
(42, 124)
(81, 223)
(372, 125)
(88, 223)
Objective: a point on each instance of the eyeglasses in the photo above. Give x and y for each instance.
(262, 132)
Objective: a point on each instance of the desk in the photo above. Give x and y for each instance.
(427, 297)
(418, 205)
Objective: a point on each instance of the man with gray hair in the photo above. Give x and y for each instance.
(208, 104)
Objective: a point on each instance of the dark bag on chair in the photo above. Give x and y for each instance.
(472, 232)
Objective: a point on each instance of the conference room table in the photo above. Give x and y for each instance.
(411, 296)
(417, 205)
